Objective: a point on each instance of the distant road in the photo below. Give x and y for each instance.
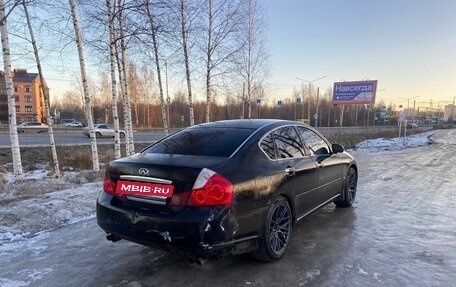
(74, 136)
(35, 139)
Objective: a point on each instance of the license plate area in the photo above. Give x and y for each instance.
(147, 189)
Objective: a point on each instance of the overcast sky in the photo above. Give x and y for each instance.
(409, 46)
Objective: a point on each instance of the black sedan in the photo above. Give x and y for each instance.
(225, 188)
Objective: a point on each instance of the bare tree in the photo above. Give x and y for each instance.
(88, 105)
(221, 24)
(16, 153)
(45, 91)
(122, 63)
(153, 33)
(112, 64)
(254, 64)
(185, 24)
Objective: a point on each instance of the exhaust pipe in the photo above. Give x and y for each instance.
(112, 237)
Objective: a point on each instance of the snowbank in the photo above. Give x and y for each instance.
(382, 144)
(40, 203)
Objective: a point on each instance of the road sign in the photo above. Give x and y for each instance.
(298, 100)
(279, 103)
(315, 116)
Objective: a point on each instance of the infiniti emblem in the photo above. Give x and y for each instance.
(143, 171)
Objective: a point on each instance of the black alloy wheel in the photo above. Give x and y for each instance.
(98, 134)
(277, 231)
(349, 192)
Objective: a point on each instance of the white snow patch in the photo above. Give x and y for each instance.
(39, 203)
(12, 283)
(377, 277)
(382, 144)
(312, 274)
(9, 236)
(38, 274)
(309, 276)
(361, 271)
(29, 175)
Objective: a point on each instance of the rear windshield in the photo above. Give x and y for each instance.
(202, 141)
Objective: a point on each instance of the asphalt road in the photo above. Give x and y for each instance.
(75, 138)
(400, 232)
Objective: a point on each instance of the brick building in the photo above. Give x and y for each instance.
(28, 97)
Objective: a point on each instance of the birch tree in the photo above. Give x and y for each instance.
(122, 63)
(221, 24)
(154, 36)
(254, 58)
(112, 65)
(15, 150)
(185, 24)
(45, 91)
(87, 99)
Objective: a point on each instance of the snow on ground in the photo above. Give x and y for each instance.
(390, 144)
(41, 203)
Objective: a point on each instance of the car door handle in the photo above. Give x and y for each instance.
(290, 170)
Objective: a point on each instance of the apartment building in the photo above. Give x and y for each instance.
(28, 97)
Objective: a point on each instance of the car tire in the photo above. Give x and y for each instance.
(276, 231)
(98, 135)
(348, 195)
(122, 135)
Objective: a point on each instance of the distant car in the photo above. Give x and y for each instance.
(32, 127)
(73, 125)
(412, 125)
(103, 130)
(225, 188)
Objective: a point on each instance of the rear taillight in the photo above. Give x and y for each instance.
(211, 189)
(109, 185)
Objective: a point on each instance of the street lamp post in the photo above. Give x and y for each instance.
(408, 110)
(408, 101)
(168, 99)
(309, 83)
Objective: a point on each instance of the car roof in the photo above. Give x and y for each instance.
(245, 124)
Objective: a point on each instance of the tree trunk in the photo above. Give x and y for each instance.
(153, 29)
(208, 63)
(45, 91)
(122, 93)
(186, 60)
(112, 62)
(85, 86)
(128, 119)
(15, 151)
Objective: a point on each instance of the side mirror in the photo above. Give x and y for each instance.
(337, 148)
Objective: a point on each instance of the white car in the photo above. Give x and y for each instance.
(103, 130)
(73, 125)
(32, 127)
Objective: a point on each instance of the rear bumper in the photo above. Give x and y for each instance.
(201, 232)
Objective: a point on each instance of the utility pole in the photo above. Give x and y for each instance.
(309, 97)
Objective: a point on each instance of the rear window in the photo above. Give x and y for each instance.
(202, 141)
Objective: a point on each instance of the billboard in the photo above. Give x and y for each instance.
(360, 92)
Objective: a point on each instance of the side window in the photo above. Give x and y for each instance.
(267, 145)
(313, 141)
(287, 142)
